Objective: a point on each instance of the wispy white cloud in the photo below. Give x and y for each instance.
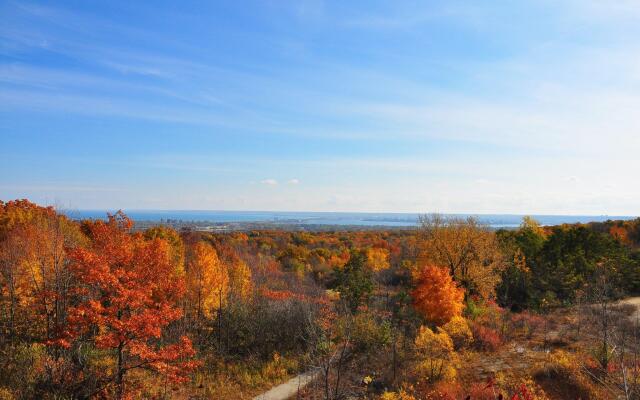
(600, 11)
(57, 187)
(269, 182)
(563, 98)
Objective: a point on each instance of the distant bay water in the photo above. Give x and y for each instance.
(327, 218)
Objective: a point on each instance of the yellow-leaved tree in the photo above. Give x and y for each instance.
(468, 249)
(240, 284)
(207, 281)
(34, 275)
(377, 258)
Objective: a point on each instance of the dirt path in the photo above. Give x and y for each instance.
(513, 357)
(634, 301)
(288, 389)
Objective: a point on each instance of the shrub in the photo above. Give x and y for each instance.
(400, 395)
(6, 394)
(482, 391)
(437, 355)
(563, 370)
(459, 331)
(278, 368)
(493, 315)
(472, 309)
(486, 339)
(528, 323)
(368, 335)
(265, 326)
(433, 344)
(445, 391)
(602, 357)
(520, 390)
(487, 313)
(22, 369)
(436, 370)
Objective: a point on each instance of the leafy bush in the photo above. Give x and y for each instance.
(436, 355)
(400, 395)
(564, 370)
(527, 322)
(488, 313)
(265, 326)
(486, 339)
(278, 368)
(368, 335)
(445, 391)
(602, 359)
(490, 390)
(6, 394)
(472, 309)
(459, 331)
(20, 368)
(482, 391)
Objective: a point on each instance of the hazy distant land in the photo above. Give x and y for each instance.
(211, 220)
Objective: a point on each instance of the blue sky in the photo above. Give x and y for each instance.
(309, 105)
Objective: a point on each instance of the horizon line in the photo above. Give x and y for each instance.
(343, 212)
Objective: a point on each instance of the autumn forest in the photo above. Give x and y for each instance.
(99, 309)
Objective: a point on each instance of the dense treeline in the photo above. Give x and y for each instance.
(552, 266)
(96, 309)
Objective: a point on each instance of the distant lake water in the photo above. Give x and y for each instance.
(328, 218)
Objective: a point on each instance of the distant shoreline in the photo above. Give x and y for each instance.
(294, 220)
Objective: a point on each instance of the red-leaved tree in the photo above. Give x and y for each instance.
(128, 294)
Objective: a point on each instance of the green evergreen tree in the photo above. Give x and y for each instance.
(354, 281)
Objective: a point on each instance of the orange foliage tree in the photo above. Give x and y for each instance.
(127, 295)
(175, 243)
(620, 233)
(436, 295)
(378, 258)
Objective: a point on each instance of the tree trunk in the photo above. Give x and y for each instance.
(120, 374)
